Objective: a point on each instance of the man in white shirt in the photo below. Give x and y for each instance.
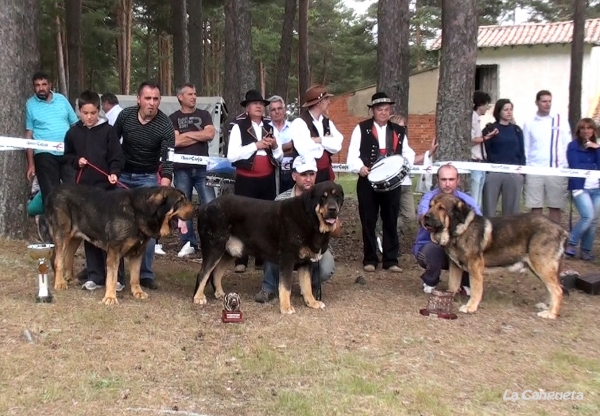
(372, 139)
(255, 154)
(546, 138)
(314, 134)
(111, 107)
(282, 130)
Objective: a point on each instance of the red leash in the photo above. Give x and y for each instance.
(91, 165)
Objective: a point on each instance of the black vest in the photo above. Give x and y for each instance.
(249, 136)
(369, 144)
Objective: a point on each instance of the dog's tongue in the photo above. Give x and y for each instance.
(330, 220)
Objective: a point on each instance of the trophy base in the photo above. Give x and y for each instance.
(441, 315)
(232, 317)
(44, 299)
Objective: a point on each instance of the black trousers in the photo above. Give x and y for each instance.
(323, 175)
(371, 204)
(433, 259)
(51, 170)
(95, 262)
(260, 188)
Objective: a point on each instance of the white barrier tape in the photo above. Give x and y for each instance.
(14, 143)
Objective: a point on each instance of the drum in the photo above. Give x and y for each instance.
(388, 173)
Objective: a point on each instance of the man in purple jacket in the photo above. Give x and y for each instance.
(429, 255)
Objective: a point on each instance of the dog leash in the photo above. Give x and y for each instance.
(91, 165)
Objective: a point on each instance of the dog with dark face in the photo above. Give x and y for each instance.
(121, 222)
(473, 242)
(287, 232)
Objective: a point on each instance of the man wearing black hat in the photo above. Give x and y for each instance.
(255, 153)
(314, 134)
(371, 140)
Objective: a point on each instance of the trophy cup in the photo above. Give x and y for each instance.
(41, 253)
(440, 305)
(231, 308)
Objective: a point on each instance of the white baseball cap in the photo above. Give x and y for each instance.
(304, 164)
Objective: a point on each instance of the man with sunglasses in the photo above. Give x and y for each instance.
(304, 174)
(282, 132)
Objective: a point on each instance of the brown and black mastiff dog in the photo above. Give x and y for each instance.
(473, 242)
(286, 232)
(118, 221)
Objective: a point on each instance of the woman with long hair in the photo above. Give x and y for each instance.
(584, 153)
(505, 147)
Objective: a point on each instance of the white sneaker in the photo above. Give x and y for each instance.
(159, 250)
(427, 288)
(186, 250)
(89, 285)
(120, 286)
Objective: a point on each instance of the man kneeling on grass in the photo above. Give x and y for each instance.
(304, 173)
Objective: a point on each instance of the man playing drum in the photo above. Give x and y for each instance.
(371, 141)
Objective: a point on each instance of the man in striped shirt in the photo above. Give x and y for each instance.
(147, 136)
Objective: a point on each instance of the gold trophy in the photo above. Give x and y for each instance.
(231, 308)
(42, 253)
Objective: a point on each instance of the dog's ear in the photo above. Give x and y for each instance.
(339, 194)
(458, 213)
(160, 201)
(310, 199)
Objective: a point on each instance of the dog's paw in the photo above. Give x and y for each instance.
(139, 294)
(467, 309)
(541, 306)
(200, 300)
(109, 300)
(219, 294)
(547, 315)
(60, 285)
(287, 311)
(316, 304)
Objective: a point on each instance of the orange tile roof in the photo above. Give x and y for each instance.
(530, 34)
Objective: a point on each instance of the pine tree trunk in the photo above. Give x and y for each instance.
(393, 54)
(19, 22)
(181, 60)
(231, 86)
(60, 58)
(576, 63)
(457, 79)
(124, 25)
(243, 38)
(303, 63)
(196, 43)
(285, 50)
(73, 24)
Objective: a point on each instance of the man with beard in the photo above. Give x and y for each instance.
(147, 135)
(48, 117)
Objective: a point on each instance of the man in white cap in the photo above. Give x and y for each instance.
(304, 173)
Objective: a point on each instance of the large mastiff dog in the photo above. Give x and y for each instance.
(118, 221)
(286, 232)
(473, 242)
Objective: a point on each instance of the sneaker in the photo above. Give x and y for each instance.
(149, 283)
(394, 269)
(120, 286)
(427, 288)
(159, 250)
(263, 297)
(369, 268)
(240, 268)
(570, 251)
(186, 250)
(587, 255)
(465, 291)
(90, 285)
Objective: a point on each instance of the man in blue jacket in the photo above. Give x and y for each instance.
(429, 255)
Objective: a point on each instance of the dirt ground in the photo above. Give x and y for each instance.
(369, 352)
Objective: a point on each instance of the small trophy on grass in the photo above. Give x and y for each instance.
(231, 308)
(42, 253)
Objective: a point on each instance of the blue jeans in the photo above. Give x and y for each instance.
(588, 206)
(477, 182)
(324, 267)
(186, 179)
(143, 180)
